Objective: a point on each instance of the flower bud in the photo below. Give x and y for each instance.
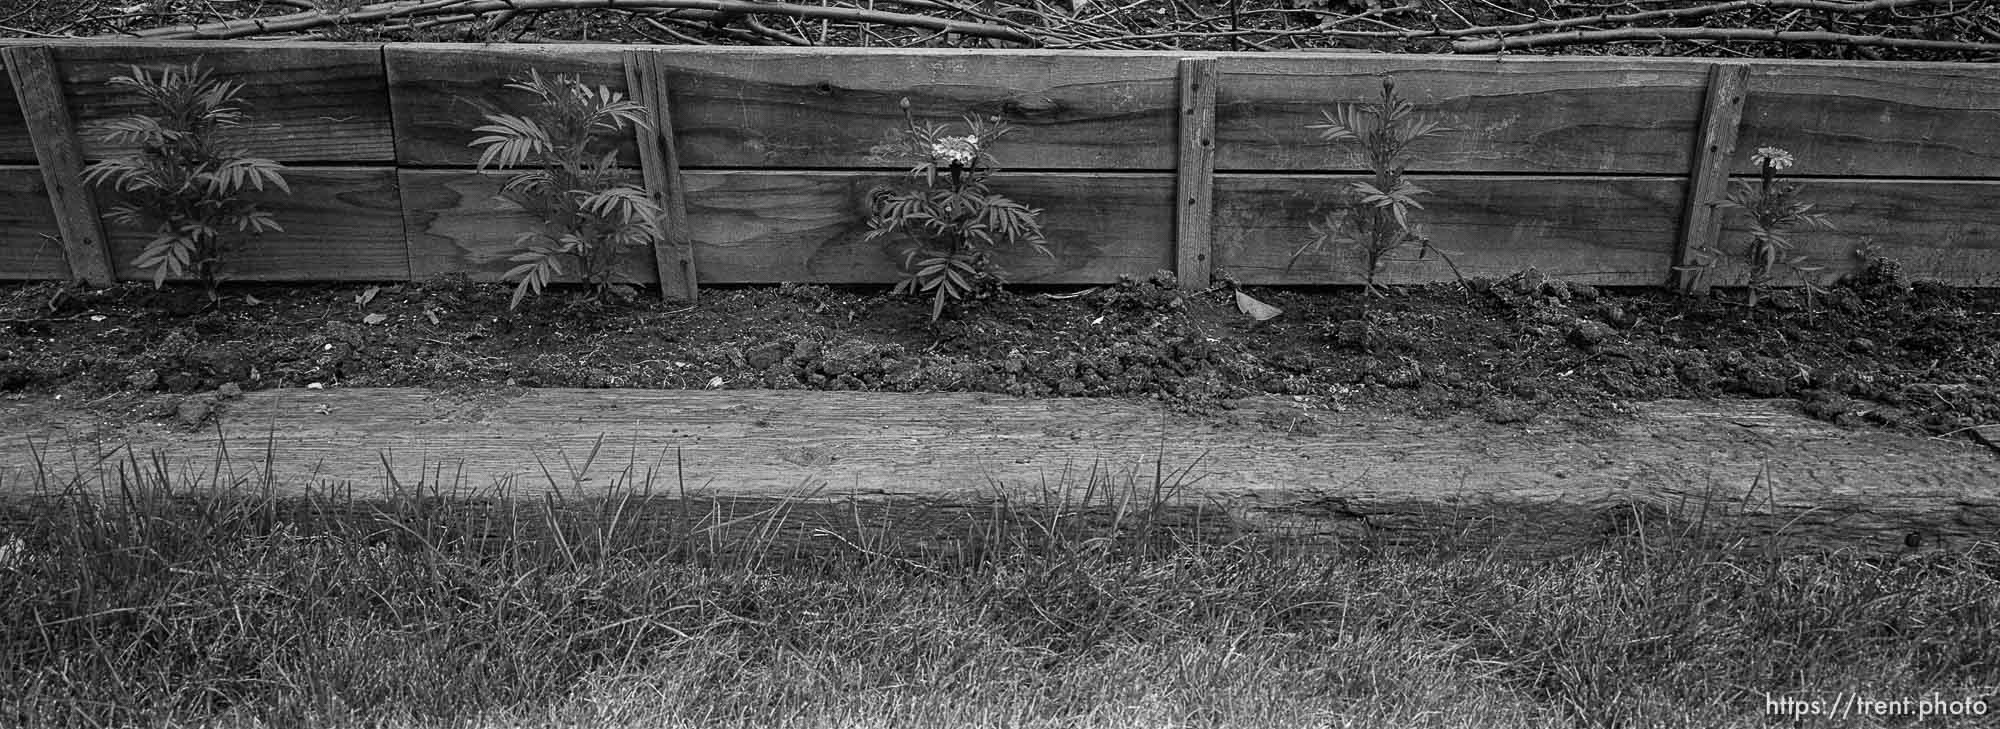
(905, 104)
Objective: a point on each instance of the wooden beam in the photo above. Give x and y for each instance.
(1708, 177)
(32, 70)
(1194, 215)
(1819, 485)
(673, 255)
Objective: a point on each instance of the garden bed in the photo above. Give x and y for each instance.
(1879, 354)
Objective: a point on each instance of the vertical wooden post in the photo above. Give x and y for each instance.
(38, 89)
(673, 256)
(1708, 178)
(1194, 197)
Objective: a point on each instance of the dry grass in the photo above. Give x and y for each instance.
(139, 594)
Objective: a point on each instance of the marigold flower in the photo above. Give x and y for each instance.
(1778, 159)
(956, 150)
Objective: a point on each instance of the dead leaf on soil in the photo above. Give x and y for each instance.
(364, 297)
(1256, 309)
(374, 318)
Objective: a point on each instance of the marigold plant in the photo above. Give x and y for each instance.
(1775, 214)
(1377, 214)
(590, 213)
(182, 179)
(949, 210)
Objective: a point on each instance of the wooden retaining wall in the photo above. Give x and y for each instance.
(1583, 167)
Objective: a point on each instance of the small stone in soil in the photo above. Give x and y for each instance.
(193, 411)
(1588, 333)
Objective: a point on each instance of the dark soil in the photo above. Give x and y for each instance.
(1875, 352)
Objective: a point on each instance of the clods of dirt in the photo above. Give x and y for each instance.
(1875, 351)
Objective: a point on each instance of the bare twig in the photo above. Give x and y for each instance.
(410, 10)
(1642, 35)
(1687, 12)
(773, 33)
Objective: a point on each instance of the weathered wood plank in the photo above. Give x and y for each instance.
(1708, 180)
(15, 146)
(673, 254)
(1606, 231)
(307, 102)
(1366, 476)
(458, 223)
(1524, 115)
(821, 107)
(30, 243)
(342, 224)
(32, 70)
(768, 227)
(1884, 119)
(441, 91)
(1194, 211)
(1947, 231)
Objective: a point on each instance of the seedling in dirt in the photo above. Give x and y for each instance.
(590, 213)
(1377, 214)
(182, 180)
(948, 209)
(1776, 214)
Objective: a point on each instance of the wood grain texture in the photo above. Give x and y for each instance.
(673, 253)
(826, 107)
(1939, 230)
(307, 102)
(767, 227)
(1397, 479)
(458, 223)
(1886, 119)
(30, 243)
(341, 224)
(16, 148)
(1194, 207)
(1604, 231)
(807, 227)
(1522, 115)
(822, 107)
(441, 91)
(32, 71)
(1708, 179)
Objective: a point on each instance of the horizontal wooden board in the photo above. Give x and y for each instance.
(768, 227)
(30, 244)
(826, 108)
(1358, 476)
(1532, 115)
(1606, 231)
(807, 108)
(1943, 231)
(458, 223)
(1839, 119)
(341, 224)
(16, 148)
(441, 91)
(307, 102)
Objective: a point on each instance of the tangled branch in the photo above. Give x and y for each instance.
(1634, 35)
(1966, 28)
(409, 11)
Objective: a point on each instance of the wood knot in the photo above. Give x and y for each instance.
(1032, 105)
